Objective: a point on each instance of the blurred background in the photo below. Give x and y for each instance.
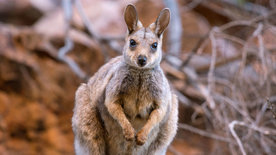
(219, 55)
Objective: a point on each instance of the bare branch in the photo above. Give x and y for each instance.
(213, 62)
(88, 27)
(191, 5)
(85, 20)
(67, 6)
(204, 133)
(194, 50)
(175, 28)
(272, 108)
(233, 132)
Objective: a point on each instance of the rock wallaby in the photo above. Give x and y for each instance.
(127, 107)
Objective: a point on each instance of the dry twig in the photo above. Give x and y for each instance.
(67, 6)
(272, 108)
(204, 133)
(175, 30)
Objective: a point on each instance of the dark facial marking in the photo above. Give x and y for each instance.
(145, 30)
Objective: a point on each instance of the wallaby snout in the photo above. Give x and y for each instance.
(142, 60)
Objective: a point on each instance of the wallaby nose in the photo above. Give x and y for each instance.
(142, 60)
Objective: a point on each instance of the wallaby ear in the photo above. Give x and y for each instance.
(131, 18)
(161, 22)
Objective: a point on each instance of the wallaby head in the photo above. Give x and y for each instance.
(143, 47)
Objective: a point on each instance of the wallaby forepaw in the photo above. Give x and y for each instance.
(129, 134)
(141, 138)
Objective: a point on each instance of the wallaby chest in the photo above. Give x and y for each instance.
(138, 92)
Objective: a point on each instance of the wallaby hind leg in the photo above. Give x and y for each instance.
(167, 131)
(89, 133)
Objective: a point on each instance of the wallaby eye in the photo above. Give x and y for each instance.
(132, 43)
(154, 46)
